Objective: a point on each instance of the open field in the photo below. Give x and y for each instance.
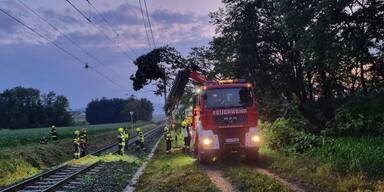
(12, 138)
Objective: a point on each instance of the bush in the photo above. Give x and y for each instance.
(359, 116)
(305, 141)
(278, 134)
(287, 134)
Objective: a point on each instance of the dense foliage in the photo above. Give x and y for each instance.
(315, 53)
(27, 108)
(157, 67)
(118, 110)
(359, 116)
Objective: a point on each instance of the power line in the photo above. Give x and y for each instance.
(42, 36)
(149, 22)
(100, 29)
(117, 34)
(20, 21)
(78, 10)
(145, 24)
(66, 37)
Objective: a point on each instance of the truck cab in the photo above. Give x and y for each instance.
(225, 120)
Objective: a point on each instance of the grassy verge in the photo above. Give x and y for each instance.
(173, 172)
(13, 138)
(20, 162)
(246, 179)
(346, 164)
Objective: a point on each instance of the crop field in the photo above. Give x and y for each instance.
(12, 138)
(344, 164)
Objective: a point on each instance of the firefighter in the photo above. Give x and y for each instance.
(121, 140)
(168, 139)
(187, 135)
(54, 135)
(76, 144)
(126, 137)
(43, 140)
(140, 140)
(84, 142)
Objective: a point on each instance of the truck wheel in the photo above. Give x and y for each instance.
(252, 156)
(203, 158)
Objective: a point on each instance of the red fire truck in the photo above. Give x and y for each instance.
(224, 115)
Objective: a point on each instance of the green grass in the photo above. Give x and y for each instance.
(246, 179)
(346, 164)
(12, 138)
(173, 172)
(354, 155)
(23, 161)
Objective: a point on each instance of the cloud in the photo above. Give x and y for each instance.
(168, 17)
(125, 14)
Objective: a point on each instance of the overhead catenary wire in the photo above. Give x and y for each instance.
(67, 37)
(105, 20)
(20, 21)
(149, 23)
(101, 30)
(145, 25)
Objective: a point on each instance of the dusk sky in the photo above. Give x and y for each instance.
(30, 61)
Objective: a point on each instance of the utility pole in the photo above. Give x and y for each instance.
(165, 85)
(131, 113)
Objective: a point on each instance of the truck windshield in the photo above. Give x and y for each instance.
(228, 97)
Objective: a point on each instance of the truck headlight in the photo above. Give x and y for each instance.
(207, 141)
(256, 139)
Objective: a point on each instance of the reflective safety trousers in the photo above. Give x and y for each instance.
(121, 139)
(141, 137)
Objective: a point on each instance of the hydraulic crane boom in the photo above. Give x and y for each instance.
(179, 84)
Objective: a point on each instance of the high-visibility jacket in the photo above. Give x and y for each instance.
(53, 134)
(83, 137)
(126, 134)
(76, 140)
(167, 135)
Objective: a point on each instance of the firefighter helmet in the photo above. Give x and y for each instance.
(138, 129)
(120, 129)
(77, 132)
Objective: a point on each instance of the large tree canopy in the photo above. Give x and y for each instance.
(157, 66)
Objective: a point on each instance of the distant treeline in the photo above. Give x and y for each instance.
(27, 108)
(117, 110)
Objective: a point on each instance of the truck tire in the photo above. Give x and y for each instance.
(203, 158)
(252, 156)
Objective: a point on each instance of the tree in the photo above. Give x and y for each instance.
(312, 52)
(27, 108)
(118, 110)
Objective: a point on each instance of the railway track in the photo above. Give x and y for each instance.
(63, 177)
